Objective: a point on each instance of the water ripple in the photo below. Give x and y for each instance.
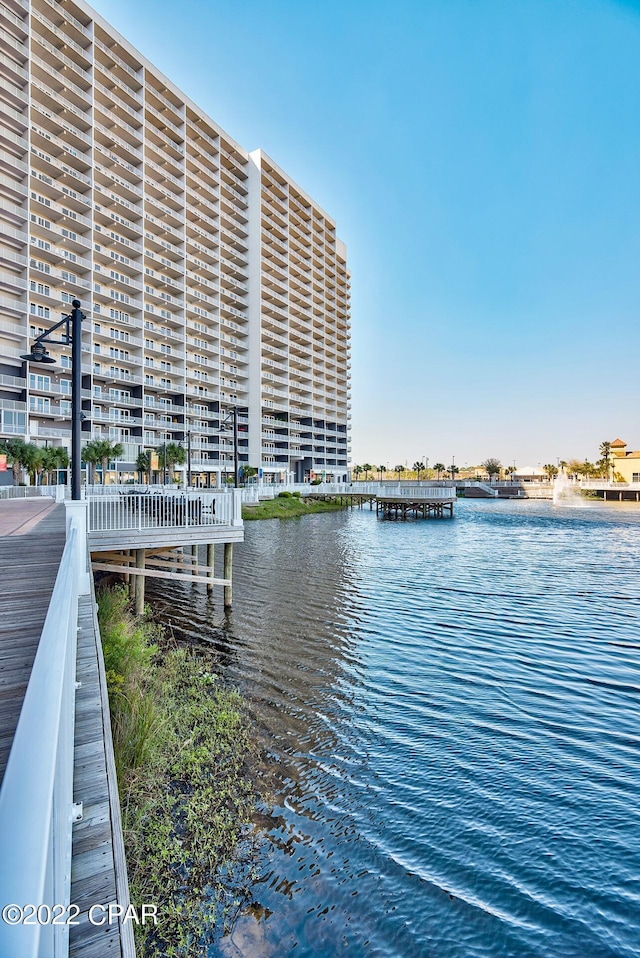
(453, 709)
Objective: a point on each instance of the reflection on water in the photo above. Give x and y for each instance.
(452, 710)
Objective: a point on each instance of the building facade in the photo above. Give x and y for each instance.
(210, 281)
(625, 463)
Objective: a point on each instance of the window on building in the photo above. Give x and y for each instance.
(13, 421)
(39, 382)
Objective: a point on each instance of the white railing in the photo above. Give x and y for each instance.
(134, 511)
(257, 491)
(417, 491)
(603, 484)
(36, 799)
(32, 492)
(118, 489)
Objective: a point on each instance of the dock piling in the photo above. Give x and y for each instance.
(210, 562)
(140, 562)
(228, 574)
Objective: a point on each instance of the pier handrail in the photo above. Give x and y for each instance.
(36, 798)
(32, 492)
(133, 511)
(605, 484)
(255, 492)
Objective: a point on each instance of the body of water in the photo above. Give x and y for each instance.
(452, 710)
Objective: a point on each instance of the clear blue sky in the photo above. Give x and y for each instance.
(482, 161)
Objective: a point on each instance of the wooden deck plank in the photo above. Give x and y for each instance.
(31, 544)
(32, 537)
(98, 854)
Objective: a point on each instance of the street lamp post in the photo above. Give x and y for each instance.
(235, 447)
(71, 336)
(233, 416)
(188, 458)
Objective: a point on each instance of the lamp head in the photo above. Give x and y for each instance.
(38, 354)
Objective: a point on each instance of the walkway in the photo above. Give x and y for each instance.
(32, 538)
(98, 869)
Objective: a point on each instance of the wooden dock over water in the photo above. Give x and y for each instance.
(414, 507)
(400, 503)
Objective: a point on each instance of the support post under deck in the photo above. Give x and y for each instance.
(140, 562)
(210, 560)
(228, 574)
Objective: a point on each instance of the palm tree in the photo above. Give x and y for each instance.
(143, 465)
(382, 470)
(367, 467)
(50, 461)
(418, 466)
(248, 472)
(102, 451)
(439, 467)
(61, 459)
(454, 470)
(14, 449)
(605, 453)
(174, 455)
(91, 458)
(108, 451)
(31, 460)
(551, 470)
(399, 470)
(356, 471)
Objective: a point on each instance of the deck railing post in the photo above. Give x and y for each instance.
(77, 509)
(236, 517)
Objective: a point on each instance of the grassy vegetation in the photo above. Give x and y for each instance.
(184, 757)
(285, 507)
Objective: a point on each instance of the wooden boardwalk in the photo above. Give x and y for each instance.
(98, 869)
(32, 538)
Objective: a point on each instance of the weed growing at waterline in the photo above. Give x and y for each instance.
(182, 753)
(129, 647)
(284, 508)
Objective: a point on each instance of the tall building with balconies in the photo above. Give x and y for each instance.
(299, 295)
(209, 279)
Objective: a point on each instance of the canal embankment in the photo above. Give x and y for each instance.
(287, 506)
(185, 758)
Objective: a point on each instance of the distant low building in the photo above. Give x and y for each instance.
(626, 464)
(530, 474)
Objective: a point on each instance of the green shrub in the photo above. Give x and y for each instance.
(284, 495)
(296, 495)
(128, 649)
(183, 752)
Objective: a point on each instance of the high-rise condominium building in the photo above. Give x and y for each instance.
(209, 279)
